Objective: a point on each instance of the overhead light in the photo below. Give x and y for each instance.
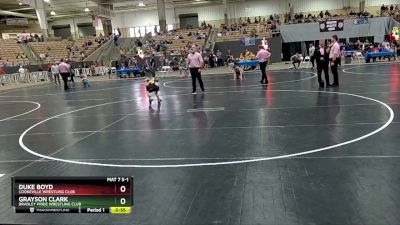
(48, 1)
(52, 13)
(87, 9)
(20, 3)
(141, 4)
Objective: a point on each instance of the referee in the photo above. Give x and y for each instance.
(263, 56)
(195, 62)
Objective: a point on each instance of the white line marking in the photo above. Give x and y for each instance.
(206, 109)
(217, 158)
(22, 144)
(69, 145)
(369, 65)
(64, 93)
(84, 100)
(244, 109)
(12, 117)
(2, 174)
(253, 85)
(196, 128)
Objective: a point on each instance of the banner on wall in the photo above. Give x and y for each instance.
(360, 21)
(95, 21)
(249, 41)
(17, 21)
(331, 25)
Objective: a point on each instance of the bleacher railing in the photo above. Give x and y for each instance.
(44, 76)
(30, 77)
(96, 71)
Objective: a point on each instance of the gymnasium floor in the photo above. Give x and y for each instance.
(241, 153)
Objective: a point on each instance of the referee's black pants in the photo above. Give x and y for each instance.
(194, 72)
(65, 80)
(263, 68)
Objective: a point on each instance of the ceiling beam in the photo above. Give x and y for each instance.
(20, 9)
(9, 13)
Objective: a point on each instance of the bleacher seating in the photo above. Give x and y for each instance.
(79, 44)
(178, 44)
(9, 50)
(53, 50)
(261, 31)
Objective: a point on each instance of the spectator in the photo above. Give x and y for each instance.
(55, 73)
(220, 61)
(383, 8)
(230, 61)
(249, 55)
(211, 59)
(311, 51)
(21, 70)
(241, 57)
(122, 52)
(115, 39)
(386, 44)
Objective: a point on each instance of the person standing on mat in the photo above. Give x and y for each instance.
(334, 57)
(195, 62)
(311, 53)
(263, 56)
(64, 70)
(322, 56)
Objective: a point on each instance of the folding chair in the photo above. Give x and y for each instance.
(165, 71)
(305, 60)
(359, 56)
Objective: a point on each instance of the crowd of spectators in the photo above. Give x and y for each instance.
(367, 46)
(250, 27)
(186, 40)
(322, 16)
(157, 48)
(195, 35)
(392, 10)
(101, 39)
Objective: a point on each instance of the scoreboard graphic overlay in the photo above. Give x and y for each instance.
(72, 194)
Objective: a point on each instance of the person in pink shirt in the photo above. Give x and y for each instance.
(334, 57)
(263, 56)
(195, 62)
(65, 71)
